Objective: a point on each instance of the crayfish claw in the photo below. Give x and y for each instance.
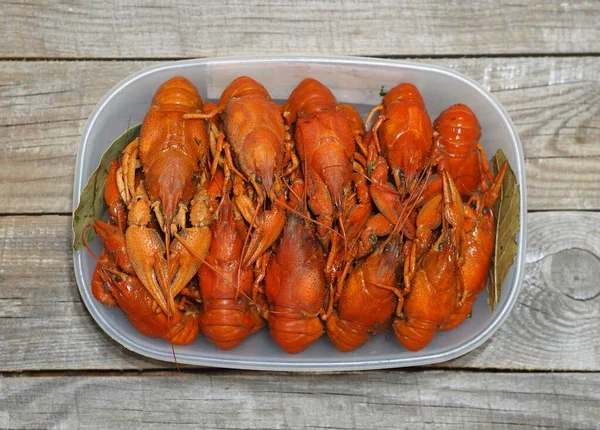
(269, 225)
(147, 253)
(188, 251)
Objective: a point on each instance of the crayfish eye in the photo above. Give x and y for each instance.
(259, 180)
(485, 211)
(441, 246)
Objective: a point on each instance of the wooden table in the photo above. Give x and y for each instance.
(541, 368)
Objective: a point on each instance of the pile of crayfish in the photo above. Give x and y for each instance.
(225, 217)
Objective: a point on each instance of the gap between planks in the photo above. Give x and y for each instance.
(217, 371)
(381, 56)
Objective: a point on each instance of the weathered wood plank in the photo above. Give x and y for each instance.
(554, 325)
(390, 399)
(215, 28)
(43, 318)
(554, 102)
(559, 183)
(44, 114)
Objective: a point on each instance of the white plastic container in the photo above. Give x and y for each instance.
(353, 80)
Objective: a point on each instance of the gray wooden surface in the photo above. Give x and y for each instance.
(385, 399)
(170, 29)
(542, 368)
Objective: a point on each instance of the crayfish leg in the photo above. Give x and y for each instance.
(126, 173)
(492, 194)
(99, 284)
(486, 172)
(114, 244)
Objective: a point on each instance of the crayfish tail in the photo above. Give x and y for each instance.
(294, 335)
(185, 331)
(226, 323)
(345, 335)
(413, 335)
(461, 312)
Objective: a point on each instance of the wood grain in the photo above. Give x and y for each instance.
(554, 102)
(44, 322)
(47, 105)
(172, 29)
(391, 399)
(554, 325)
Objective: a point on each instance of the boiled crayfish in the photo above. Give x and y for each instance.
(298, 217)
(172, 152)
(325, 142)
(403, 134)
(228, 315)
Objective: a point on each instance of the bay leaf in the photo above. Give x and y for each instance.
(91, 201)
(507, 225)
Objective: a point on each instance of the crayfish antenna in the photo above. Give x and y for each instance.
(168, 295)
(308, 218)
(247, 238)
(343, 235)
(375, 110)
(86, 245)
(412, 200)
(173, 351)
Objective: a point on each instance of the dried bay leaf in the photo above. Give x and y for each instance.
(507, 225)
(91, 202)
